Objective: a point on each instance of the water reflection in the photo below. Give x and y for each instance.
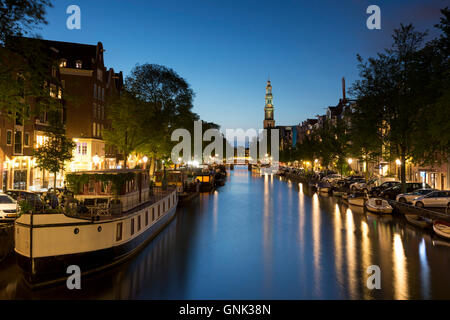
(351, 253)
(400, 270)
(259, 237)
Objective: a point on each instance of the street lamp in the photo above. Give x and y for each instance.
(96, 161)
(350, 160)
(145, 159)
(398, 162)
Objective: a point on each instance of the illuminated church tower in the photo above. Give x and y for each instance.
(269, 121)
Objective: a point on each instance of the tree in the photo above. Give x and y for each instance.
(25, 77)
(389, 94)
(433, 138)
(18, 17)
(126, 114)
(56, 150)
(167, 98)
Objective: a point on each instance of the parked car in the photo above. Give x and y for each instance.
(8, 208)
(31, 197)
(410, 196)
(364, 185)
(393, 192)
(331, 178)
(435, 199)
(375, 191)
(356, 183)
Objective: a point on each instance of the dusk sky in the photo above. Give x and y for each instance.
(227, 49)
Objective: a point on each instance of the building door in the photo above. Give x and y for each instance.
(20, 180)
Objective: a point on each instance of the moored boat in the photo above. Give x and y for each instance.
(419, 221)
(338, 193)
(357, 199)
(324, 187)
(442, 228)
(129, 215)
(377, 205)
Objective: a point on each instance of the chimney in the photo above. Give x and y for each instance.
(343, 89)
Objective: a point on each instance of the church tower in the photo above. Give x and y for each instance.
(269, 121)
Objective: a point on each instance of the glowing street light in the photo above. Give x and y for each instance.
(398, 162)
(145, 159)
(350, 160)
(96, 160)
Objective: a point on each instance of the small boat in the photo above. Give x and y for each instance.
(324, 186)
(377, 205)
(219, 181)
(312, 185)
(357, 199)
(442, 228)
(338, 193)
(419, 221)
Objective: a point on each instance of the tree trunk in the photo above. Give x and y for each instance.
(54, 183)
(403, 172)
(125, 160)
(152, 166)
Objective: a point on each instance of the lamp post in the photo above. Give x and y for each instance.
(145, 159)
(96, 161)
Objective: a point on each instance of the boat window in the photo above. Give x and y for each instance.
(153, 214)
(119, 231)
(132, 226)
(146, 218)
(139, 223)
(159, 210)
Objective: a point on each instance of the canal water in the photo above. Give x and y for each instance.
(262, 237)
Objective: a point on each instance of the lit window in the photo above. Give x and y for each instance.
(78, 64)
(63, 63)
(59, 93)
(40, 140)
(84, 150)
(53, 91)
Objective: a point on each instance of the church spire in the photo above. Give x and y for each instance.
(269, 121)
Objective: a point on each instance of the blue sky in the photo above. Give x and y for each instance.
(227, 49)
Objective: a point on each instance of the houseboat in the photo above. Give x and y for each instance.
(174, 178)
(113, 214)
(206, 180)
